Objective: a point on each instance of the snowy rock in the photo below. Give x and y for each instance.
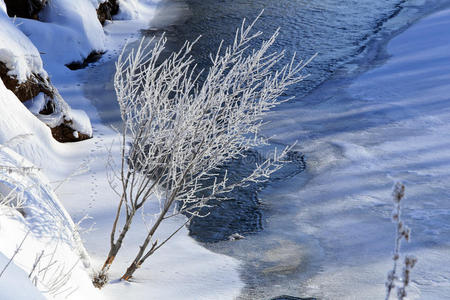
(69, 31)
(28, 89)
(106, 10)
(64, 133)
(25, 8)
(17, 52)
(22, 72)
(235, 237)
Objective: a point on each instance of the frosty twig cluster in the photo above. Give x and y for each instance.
(402, 232)
(177, 131)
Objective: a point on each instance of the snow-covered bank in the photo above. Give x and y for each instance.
(182, 269)
(49, 248)
(22, 71)
(391, 123)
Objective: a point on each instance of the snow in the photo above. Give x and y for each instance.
(16, 50)
(359, 136)
(36, 104)
(68, 31)
(15, 283)
(22, 131)
(78, 118)
(81, 122)
(47, 227)
(96, 3)
(135, 9)
(2, 6)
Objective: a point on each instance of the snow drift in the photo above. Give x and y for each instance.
(52, 253)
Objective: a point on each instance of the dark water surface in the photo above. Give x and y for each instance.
(337, 30)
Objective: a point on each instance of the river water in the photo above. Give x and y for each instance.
(349, 37)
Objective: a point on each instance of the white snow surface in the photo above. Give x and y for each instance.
(17, 51)
(391, 123)
(15, 283)
(50, 229)
(68, 31)
(23, 132)
(2, 5)
(136, 9)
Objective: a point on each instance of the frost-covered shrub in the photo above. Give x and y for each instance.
(177, 131)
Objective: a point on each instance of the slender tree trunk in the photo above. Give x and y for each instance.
(133, 267)
(110, 258)
(115, 247)
(141, 257)
(138, 261)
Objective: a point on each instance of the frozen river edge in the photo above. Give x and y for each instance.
(359, 136)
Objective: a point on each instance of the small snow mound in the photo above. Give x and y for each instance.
(135, 10)
(81, 122)
(17, 52)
